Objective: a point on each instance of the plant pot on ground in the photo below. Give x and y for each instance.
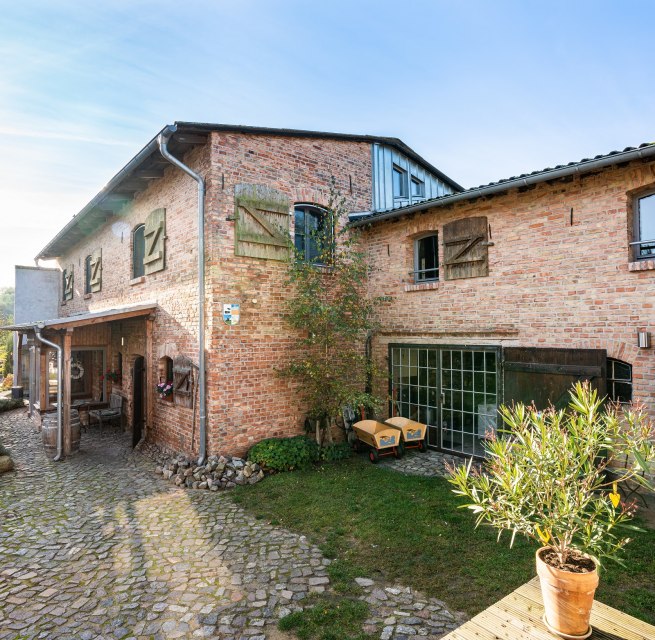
(547, 478)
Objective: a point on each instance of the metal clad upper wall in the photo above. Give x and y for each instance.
(384, 159)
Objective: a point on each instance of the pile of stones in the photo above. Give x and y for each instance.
(219, 472)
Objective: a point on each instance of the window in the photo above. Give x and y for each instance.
(138, 251)
(309, 226)
(418, 188)
(87, 274)
(619, 381)
(644, 227)
(399, 182)
(426, 259)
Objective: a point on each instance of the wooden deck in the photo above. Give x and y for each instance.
(518, 617)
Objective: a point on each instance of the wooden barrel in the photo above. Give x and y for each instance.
(49, 432)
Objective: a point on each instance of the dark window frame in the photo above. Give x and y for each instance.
(638, 241)
(309, 211)
(138, 240)
(420, 275)
(613, 381)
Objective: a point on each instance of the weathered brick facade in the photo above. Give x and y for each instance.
(247, 400)
(560, 274)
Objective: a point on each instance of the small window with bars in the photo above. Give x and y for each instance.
(644, 236)
(426, 258)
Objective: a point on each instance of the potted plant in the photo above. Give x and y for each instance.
(112, 376)
(553, 476)
(165, 390)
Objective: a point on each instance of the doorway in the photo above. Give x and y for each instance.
(138, 403)
(452, 389)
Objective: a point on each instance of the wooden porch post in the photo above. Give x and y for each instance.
(66, 392)
(149, 382)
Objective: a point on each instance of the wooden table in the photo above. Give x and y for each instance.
(518, 617)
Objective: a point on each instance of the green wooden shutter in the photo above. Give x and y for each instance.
(465, 244)
(96, 271)
(262, 222)
(155, 235)
(68, 282)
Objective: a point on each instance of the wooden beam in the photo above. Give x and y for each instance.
(149, 381)
(66, 392)
(72, 323)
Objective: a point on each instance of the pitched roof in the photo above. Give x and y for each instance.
(586, 165)
(148, 164)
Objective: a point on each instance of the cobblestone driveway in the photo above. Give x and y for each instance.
(99, 546)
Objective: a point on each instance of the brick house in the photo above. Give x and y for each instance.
(129, 288)
(514, 290)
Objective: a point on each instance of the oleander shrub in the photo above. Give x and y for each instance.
(285, 454)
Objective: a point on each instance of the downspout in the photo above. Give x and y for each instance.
(60, 373)
(162, 140)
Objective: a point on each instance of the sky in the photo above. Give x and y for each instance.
(482, 89)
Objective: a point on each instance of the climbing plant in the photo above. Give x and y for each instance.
(334, 319)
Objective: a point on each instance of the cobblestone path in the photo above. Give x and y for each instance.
(99, 547)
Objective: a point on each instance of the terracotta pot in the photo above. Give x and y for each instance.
(567, 598)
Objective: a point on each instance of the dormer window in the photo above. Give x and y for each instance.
(418, 188)
(399, 182)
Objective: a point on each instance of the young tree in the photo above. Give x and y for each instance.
(331, 311)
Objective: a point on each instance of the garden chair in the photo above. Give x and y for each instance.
(111, 414)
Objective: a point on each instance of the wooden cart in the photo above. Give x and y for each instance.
(379, 438)
(413, 433)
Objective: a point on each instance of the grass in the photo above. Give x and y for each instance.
(378, 523)
(329, 618)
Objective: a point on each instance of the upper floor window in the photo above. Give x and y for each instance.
(619, 381)
(644, 241)
(399, 182)
(138, 251)
(87, 274)
(310, 224)
(418, 188)
(426, 258)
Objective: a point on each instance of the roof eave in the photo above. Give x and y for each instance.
(500, 187)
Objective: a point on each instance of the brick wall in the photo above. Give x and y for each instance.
(550, 284)
(247, 401)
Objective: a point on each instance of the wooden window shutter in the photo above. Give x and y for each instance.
(466, 248)
(96, 271)
(262, 222)
(68, 282)
(155, 236)
(183, 381)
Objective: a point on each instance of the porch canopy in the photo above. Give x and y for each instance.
(61, 331)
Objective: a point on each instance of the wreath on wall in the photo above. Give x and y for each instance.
(77, 370)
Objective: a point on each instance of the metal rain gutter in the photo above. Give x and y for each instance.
(162, 140)
(60, 372)
(499, 187)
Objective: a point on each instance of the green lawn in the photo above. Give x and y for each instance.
(378, 523)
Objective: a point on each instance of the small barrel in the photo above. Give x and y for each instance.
(49, 432)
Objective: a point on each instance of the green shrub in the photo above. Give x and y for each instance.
(285, 454)
(7, 404)
(336, 451)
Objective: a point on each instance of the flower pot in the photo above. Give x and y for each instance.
(567, 597)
